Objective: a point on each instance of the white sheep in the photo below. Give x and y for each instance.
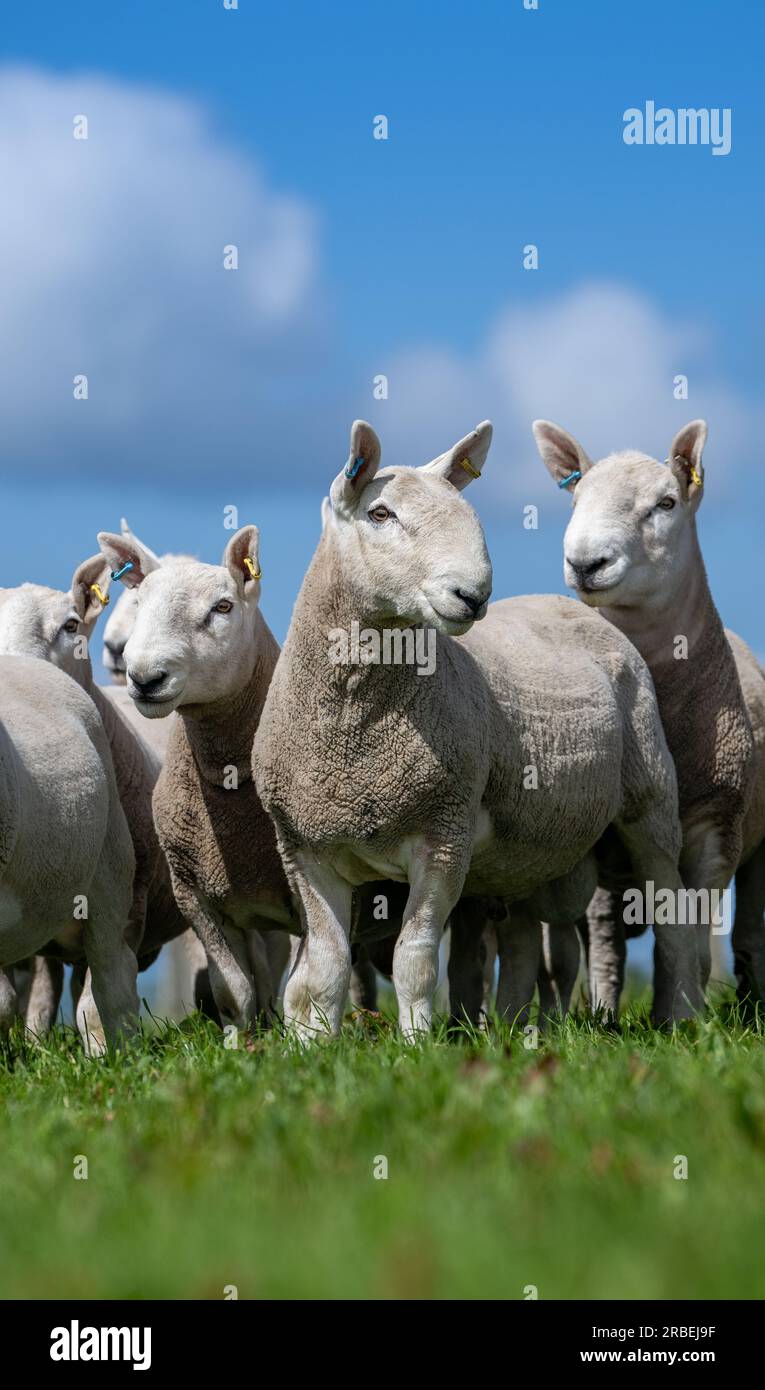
(494, 775)
(56, 626)
(632, 554)
(119, 626)
(188, 960)
(200, 645)
(66, 856)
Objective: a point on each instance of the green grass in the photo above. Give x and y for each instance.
(507, 1167)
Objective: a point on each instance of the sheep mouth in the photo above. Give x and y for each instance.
(453, 625)
(598, 597)
(154, 706)
(598, 588)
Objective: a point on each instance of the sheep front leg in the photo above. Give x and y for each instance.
(433, 892)
(317, 987)
(228, 962)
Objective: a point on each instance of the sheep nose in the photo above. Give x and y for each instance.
(474, 600)
(585, 569)
(116, 648)
(149, 685)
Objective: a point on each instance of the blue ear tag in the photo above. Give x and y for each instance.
(564, 482)
(351, 469)
(117, 574)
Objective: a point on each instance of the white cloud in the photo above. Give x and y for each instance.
(111, 265)
(599, 360)
(111, 255)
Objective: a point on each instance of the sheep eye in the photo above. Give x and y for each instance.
(224, 606)
(380, 512)
(667, 503)
(71, 624)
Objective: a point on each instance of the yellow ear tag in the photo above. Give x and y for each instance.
(695, 477)
(468, 467)
(103, 598)
(256, 574)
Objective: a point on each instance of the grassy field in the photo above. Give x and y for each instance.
(507, 1166)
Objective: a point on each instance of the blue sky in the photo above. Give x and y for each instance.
(254, 127)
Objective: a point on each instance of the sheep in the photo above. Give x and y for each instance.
(66, 855)
(372, 770)
(118, 629)
(187, 953)
(632, 554)
(55, 626)
(471, 967)
(200, 645)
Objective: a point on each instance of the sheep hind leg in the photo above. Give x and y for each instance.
(559, 970)
(108, 1007)
(278, 952)
(9, 1003)
(678, 991)
(548, 999)
(489, 973)
(197, 992)
(749, 929)
(519, 940)
(44, 995)
(606, 954)
(260, 965)
(467, 958)
(363, 982)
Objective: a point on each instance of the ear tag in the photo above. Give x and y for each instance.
(468, 467)
(351, 469)
(572, 477)
(117, 574)
(103, 598)
(693, 473)
(255, 574)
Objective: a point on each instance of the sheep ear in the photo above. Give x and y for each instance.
(464, 462)
(685, 458)
(90, 588)
(241, 558)
(561, 455)
(131, 536)
(121, 551)
(363, 463)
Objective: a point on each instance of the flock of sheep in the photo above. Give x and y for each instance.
(291, 813)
